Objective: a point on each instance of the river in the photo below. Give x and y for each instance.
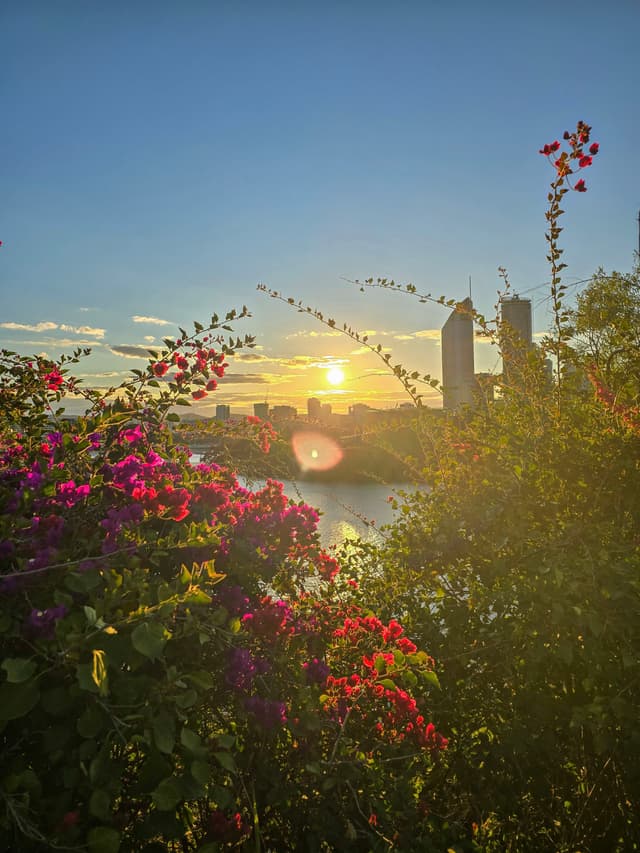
(347, 510)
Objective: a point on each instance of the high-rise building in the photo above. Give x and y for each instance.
(284, 413)
(516, 313)
(223, 412)
(261, 410)
(314, 408)
(458, 380)
(516, 333)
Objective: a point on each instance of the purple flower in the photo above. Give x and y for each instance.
(42, 623)
(233, 599)
(268, 713)
(316, 670)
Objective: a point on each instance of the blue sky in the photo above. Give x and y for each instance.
(160, 159)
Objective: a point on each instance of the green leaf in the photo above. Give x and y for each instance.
(168, 794)
(192, 743)
(201, 678)
(150, 638)
(90, 722)
(225, 759)
(201, 772)
(164, 731)
(16, 700)
(430, 676)
(103, 839)
(100, 805)
(18, 669)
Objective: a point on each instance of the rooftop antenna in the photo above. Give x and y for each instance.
(470, 276)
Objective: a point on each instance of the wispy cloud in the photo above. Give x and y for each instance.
(305, 333)
(365, 350)
(154, 321)
(252, 356)
(149, 339)
(129, 351)
(55, 342)
(429, 334)
(83, 330)
(250, 378)
(50, 326)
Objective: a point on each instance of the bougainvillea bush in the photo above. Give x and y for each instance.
(182, 666)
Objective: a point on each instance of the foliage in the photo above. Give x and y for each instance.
(181, 665)
(606, 324)
(519, 567)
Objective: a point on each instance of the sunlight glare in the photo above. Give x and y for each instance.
(335, 375)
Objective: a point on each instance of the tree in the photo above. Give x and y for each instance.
(606, 321)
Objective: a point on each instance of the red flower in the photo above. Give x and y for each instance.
(211, 385)
(160, 368)
(554, 145)
(585, 161)
(199, 394)
(593, 149)
(580, 186)
(53, 379)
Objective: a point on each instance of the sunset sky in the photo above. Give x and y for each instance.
(161, 159)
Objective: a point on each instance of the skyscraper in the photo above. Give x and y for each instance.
(458, 381)
(516, 313)
(516, 335)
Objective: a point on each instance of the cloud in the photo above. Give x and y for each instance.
(155, 321)
(45, 326)
(247, 378)
(429, 334)
(149, 338)
(55, 342)
(252, 356)
(50, 326)
(313, 334)
(129, 351)
(365, 350)
(83, 330)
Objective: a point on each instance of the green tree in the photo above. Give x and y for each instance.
(607, 327)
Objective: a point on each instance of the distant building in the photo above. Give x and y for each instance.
(261, 410)
(516, 331)
(458, 380)
(314, 408)
(359, 410)
(284, 413)
(223, 412)
(325, 411)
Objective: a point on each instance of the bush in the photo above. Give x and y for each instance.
(181, 666)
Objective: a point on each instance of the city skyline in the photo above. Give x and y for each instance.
(161, 162)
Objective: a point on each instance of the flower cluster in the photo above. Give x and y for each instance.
(565, 162)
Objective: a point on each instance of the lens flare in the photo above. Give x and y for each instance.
(315, 451)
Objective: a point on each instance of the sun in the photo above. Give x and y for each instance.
(335, 375)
